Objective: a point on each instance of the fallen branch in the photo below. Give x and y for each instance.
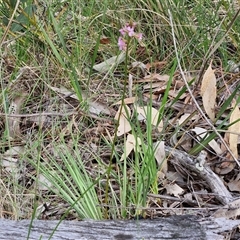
(175, 227)
(206, 174)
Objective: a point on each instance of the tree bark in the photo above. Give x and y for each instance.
(174, 227)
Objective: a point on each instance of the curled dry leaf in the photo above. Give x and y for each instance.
(234, 185)
(225, 166)
(145, 113)
(157, 65)
(183, 118)
(234, 130)
(155, 77)
(105, 40)
(209, 92)
(130, 145)
(110, 63)
(202, 133)
(231, 210)
(95, 107)
(129, 100)
(160, 155)
(139, 65)
(174, 189)
(123, 115)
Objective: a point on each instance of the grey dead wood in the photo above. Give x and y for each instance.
(206, 174)
(174, 227)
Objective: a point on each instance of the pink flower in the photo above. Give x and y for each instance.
(122, 31)
(122, 44)
(128, 29)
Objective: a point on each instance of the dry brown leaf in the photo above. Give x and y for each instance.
(160, 155)
(154, 86)
(226, 166)
(124, 125)
(155, 77)
(105, 40)
(157, 65)
(174, 189)
(130, 145)
(173, 93)
(150, 96)
(143, 111)
(95, 107)
(209, 92)
(234, 130)
(235, 184)
(129, 100)
(174, 177)
(231, 210)
(201, 133)
(110, 63)
(139, 65)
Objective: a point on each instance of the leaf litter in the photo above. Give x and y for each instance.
(180, 186)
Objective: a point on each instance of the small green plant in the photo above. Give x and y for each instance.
(69, 179)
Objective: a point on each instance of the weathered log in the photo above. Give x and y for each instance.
(206, 174)
(175, 227)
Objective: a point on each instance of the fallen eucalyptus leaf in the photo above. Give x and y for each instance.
(209, 92)
(109, 63)
(130, 145)
(124, 125)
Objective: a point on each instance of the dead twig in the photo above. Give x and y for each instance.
(205, 173)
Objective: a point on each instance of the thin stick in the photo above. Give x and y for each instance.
(55, 114)
(38, 114)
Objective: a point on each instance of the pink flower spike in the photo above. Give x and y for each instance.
(122, 31)
(122, 44)
(130, 31)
